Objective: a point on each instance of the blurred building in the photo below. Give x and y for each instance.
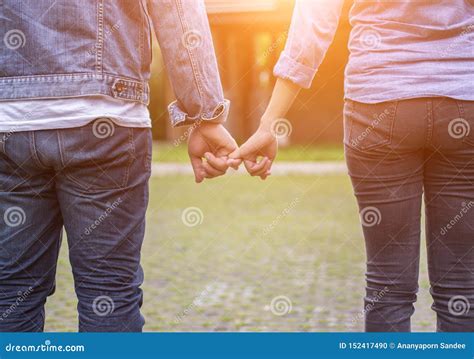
(248, 37)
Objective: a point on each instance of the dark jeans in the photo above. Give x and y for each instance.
(93, 180)
(396, 151)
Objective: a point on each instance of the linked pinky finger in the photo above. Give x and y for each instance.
(211, 172)
(266, 171)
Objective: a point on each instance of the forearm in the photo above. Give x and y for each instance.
(312, 30)
(283, 96)
(183, 32)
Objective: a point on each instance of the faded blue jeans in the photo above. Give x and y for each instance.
(396, 151)
(93, 181)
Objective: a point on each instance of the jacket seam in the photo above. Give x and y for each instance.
(100, 37)
(190, 54)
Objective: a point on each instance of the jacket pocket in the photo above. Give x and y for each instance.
(369, 126)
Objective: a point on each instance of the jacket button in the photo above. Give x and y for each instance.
(120, 87)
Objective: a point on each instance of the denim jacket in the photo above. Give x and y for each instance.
(71, 48)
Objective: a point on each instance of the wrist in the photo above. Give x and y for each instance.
(209, 124)
(206, 125)
(267, 120)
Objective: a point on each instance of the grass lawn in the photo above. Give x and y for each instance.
(295, 236)
(168, 152)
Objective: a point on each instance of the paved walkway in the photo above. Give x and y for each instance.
(278, 168)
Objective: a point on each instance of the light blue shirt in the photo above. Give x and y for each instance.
(398, 49)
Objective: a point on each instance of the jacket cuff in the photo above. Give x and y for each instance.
(180, 118)
(290, 69)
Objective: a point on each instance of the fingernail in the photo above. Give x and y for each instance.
(206, 155)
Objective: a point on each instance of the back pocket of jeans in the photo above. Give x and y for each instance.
(369, 126)
(13, 172)
(97, 156)
(463, 126)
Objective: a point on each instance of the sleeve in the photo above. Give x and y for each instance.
(312, 31)
(184, 36)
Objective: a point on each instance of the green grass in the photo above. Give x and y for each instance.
(295, 236)
(168, 152)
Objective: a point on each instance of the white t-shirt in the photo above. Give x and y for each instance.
(48, 114)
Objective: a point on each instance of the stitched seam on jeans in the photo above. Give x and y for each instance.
(2, 143)
(132, 156)
(24, 177)
(392, 119)
(462, 114)
(460, 109)
(429, 123)
(149, 151)
(387, 141)
(93, 186)
(350, 112)
(34, 152)
(63, 162)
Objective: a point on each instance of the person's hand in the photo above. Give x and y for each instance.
(263, 143)
(258, 153)
(213, 142)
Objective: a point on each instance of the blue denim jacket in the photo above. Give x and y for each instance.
(398, 49)
(65, 48)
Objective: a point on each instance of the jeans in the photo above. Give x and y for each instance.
(395, 152)
(93, 181)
